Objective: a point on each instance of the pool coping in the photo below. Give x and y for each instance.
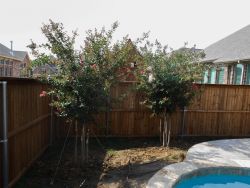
(234, 153)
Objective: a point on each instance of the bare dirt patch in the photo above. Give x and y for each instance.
(112, 163)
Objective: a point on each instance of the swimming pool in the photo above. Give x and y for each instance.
(225, 159)
(216, 181)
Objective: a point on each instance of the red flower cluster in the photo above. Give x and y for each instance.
(93, 66)
(43, 94)
(142, 72)
(195, 86)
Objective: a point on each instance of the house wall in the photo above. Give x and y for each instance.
(230, 73)
(226, 74)
(9, 67)
(12, 67)
(16, 68)
(23, 66)
(244, 76)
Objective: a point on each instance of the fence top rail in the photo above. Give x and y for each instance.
(15, 78)
(18, 79)
(203, 85)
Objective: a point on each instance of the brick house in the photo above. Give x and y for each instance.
(48, 69)
(229, 59)
(13, 63)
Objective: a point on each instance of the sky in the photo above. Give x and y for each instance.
(172, 22)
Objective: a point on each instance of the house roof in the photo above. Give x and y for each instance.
(20, 54)
(232, 48)
(50, 66)
(6, 52)
(193, 49)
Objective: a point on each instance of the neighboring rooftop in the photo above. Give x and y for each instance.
(193, 49)
(6, 52)
(232, 48)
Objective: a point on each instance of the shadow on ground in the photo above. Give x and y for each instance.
(113, 162)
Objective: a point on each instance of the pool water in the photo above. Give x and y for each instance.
(216, 181)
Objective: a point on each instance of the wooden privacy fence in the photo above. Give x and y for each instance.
(28, 124)
(220, 110)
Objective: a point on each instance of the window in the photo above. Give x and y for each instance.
(205, 78)
(248, 74)
(238, 74)
(6, 68)
(11, 72)
(1, 71)
(220, 79)
(212, 76)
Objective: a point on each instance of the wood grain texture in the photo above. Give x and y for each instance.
(28, 124)
(219, 110)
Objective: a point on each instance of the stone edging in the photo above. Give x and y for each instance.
(232, 153)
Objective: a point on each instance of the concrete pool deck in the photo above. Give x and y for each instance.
(219, 153)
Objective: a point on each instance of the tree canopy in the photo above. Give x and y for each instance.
(82, 85)
(169, 79)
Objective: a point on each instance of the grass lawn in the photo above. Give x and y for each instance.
(113, 162)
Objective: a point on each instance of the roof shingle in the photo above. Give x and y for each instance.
(231, 48)
(4, 51)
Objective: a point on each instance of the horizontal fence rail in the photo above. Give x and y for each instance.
(28, 125)
(218, 110)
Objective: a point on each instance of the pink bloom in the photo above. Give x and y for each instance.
(81, 61)
(142, 72)
(43, 94)
(93, 66)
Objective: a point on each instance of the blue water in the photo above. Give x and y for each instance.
(216, 181)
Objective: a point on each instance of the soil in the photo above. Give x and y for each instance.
(112, 163)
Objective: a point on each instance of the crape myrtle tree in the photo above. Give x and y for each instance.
(168, 80)
(81, 87)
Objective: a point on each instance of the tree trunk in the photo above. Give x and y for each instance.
(83, 144)
(87, 146)
(107, 115)
(165, 128)
(76, 137)
(163, 133)
(166, 131)
(169, 131)
(161, 130)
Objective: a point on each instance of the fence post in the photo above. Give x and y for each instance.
(183, 122)
(4, 141)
